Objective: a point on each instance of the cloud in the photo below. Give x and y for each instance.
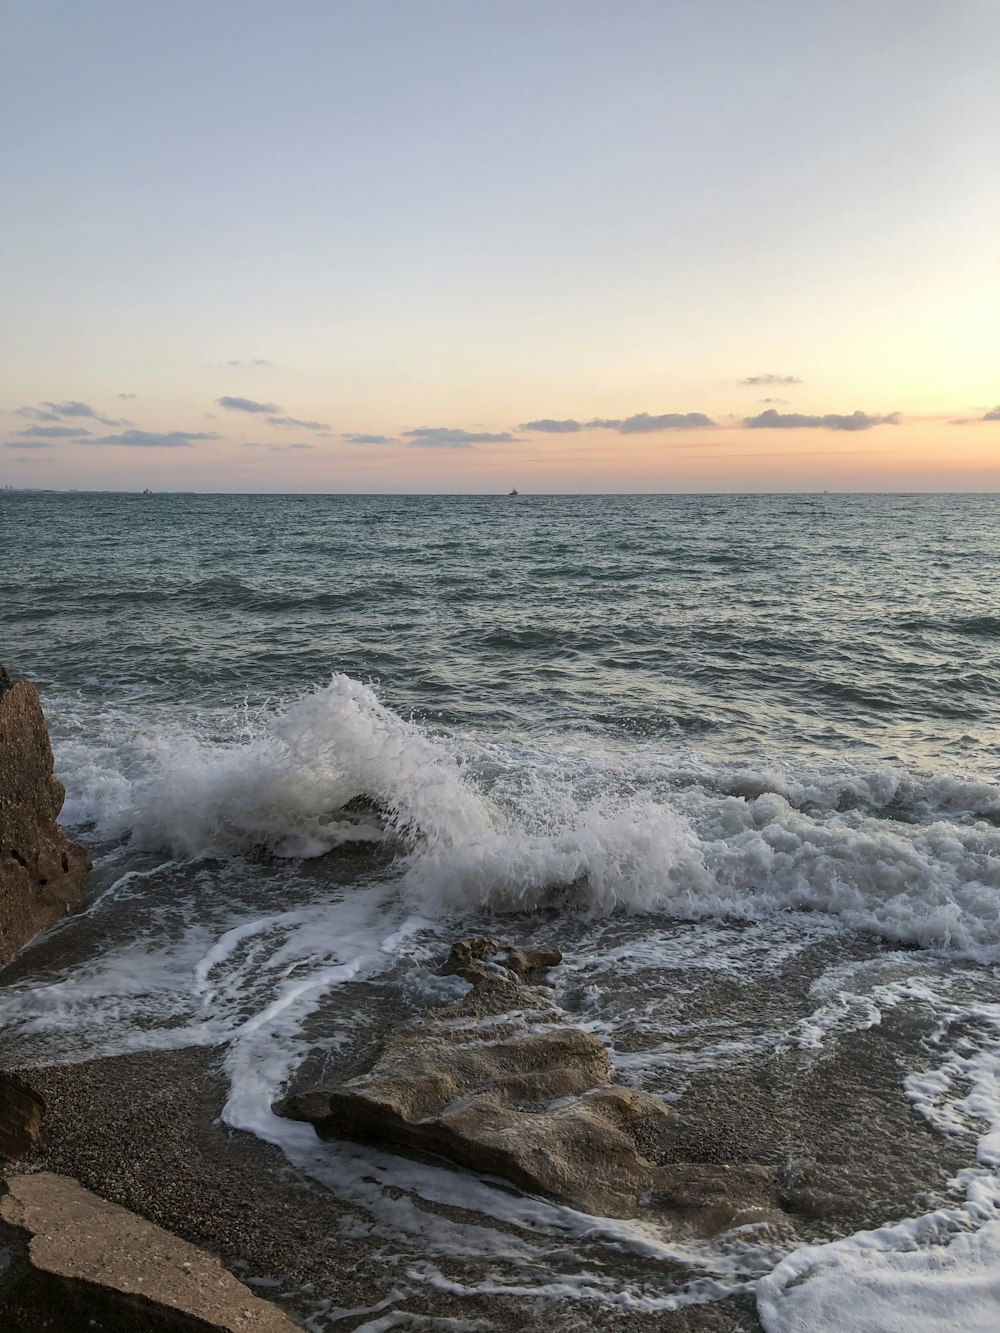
(71, 408)
(126, 395)
(771, 420)
(288, 448)
(445, 437)
(145, 439)
(992, 415)
(76, 409)
(369, 439)
(51, 432)
(29, 444)
(37, 414)
(246, 405)
(772, 400)
(258, 362)
(770, 379)
(296, 422)
(551, 427)
(642, 423)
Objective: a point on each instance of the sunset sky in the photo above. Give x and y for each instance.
(431, 245)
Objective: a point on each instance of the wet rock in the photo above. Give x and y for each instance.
(500, 1084)
(21, 1111)
(76, 1262)
(43, 875)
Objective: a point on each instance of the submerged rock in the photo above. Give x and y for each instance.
(78, 1262)
(500, 1084)
(43, 875)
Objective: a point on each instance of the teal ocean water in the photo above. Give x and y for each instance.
(688, 736)
(860, 626)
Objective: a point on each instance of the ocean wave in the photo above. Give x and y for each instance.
(285, 780)
(509, 826)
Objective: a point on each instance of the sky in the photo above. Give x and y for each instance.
(469, 245)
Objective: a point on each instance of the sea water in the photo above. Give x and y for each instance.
(738, 755)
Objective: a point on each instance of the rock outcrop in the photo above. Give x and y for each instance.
(43, 875)
(21, 1111)
(77, 1262)
(500, 1084)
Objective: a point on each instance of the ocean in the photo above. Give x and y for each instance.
(738, 756)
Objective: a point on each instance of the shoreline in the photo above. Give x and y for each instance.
(142, 1130)
(273, 1228)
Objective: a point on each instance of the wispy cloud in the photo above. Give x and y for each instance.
(642, 423)
(77, 409)
(146, 439)
(754, 380)
(29, 444)
(445, 437)
(60, 411)
(369, 439)
(37, 414)
(246, 405)
(288, 448)
(992, 415)
(772, 420)
(552, 427)
(126, 395)
(258, 363)
(297, 423)
(52, 432)
(772, 400)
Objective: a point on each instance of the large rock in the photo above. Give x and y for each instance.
(77, 1262)
(43, 875)
(21, 1111)
(500, 1084)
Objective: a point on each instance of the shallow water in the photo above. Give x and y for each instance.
(739, 756)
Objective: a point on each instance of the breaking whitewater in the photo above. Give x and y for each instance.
(802, 964)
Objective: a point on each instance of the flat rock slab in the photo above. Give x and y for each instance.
(76, 1262)
(500, 1084)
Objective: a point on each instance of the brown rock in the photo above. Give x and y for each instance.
(78, 1262)
(21, 1111)
(43, 875)
(525, 1096)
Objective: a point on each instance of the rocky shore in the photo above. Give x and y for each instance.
(124, 1205)
(499, 1083)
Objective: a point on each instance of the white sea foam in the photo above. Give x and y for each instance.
(893, 1281)
(283, 780)
(937, 1271)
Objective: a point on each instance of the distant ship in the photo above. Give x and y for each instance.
(147, 491)
(512, 492)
